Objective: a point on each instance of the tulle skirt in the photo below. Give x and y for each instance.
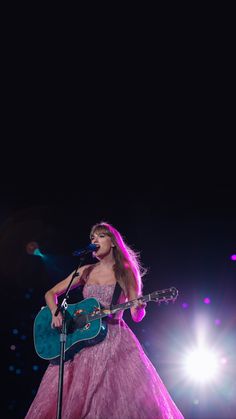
(112, 380)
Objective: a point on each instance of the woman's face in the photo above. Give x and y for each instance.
(103, 242)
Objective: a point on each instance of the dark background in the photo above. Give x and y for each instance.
(138, 132)
(184, 227)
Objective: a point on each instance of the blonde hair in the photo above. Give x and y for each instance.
(127, 268)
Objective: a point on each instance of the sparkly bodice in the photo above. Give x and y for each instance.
(103, 293)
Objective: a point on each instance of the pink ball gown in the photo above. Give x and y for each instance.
(113, 379)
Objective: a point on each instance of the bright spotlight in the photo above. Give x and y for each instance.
(201, 365)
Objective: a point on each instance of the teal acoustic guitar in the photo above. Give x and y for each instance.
(84, 324)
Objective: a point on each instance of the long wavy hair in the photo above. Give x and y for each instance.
(127, 268)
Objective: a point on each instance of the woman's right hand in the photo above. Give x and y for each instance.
(56, 320)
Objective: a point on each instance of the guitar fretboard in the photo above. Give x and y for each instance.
(104, 312)
(158, 296)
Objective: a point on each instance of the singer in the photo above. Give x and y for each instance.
(114, 378)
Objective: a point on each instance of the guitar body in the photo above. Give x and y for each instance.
(84, 324)
(47, 340)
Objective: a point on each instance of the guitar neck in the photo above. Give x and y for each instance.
(118, 307)
(165, 295)
(128, 304)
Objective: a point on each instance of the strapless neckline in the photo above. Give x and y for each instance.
(101, 285)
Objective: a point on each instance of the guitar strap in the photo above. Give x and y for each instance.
(116, 294)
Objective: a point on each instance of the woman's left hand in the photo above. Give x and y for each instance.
(139, 304)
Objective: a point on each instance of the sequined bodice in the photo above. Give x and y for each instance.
(103, 293)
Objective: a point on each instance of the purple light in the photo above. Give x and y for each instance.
(217, 322)
(185, 305)
(233, 257)
(207, 300)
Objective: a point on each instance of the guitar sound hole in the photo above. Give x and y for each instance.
(80, 321)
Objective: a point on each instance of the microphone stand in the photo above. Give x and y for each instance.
(62, 308)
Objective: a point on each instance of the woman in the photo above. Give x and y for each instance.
(114, 378)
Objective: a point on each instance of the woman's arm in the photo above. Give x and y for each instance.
(58, 289)
(138, 311)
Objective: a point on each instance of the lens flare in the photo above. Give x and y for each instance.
(201, 365)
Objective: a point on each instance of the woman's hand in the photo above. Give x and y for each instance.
(138, 310)
(139, 304)
(56, 320)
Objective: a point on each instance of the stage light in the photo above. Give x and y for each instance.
(201, 365)
(233, 257)
(207, 300)
(32, 248)
(38, 253)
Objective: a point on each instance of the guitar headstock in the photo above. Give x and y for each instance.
(168, 294)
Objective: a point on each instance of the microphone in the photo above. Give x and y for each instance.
(90, 248)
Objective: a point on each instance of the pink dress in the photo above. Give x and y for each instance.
(112, 380)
